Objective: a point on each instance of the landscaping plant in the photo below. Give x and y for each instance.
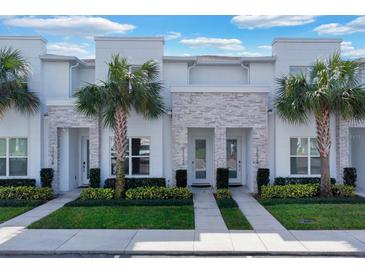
(262, 178)
(181, 178)
(95, 177)
(222, 177)
(46, 175)
(349, 176)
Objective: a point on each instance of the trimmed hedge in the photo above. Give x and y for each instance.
(95, 177)
(160, 193)
(222, 177)
(281, 181)
(223, 193)
(181, 178)
(46, 175)
(20, 203)
(123, 202)
(315, 200)
(349, 176)
(303, 191)
(136, 182)
(26, 193)
(17, 182)
(262, 178)
(96, 194)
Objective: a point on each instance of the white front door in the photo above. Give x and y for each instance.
(200, 164)
(85, 160)
(234, 161)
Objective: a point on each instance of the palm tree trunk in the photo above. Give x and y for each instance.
(120, 143)
(324, 145)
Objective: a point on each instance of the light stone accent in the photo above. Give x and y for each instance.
(60, 117)
(343, 145)
(221, 111)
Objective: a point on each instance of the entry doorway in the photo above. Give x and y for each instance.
(85, 161)
(234, 159)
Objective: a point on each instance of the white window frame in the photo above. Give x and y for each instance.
(8, 157)
(305, 70)
(129, 157)
(308, 156)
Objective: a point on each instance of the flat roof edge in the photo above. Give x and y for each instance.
(129, 38)
(22, 37)
(307, 40)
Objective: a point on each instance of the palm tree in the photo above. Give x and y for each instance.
(126, 88)
(14, 74)
(332, 86)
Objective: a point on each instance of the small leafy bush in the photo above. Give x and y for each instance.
(46, 175)
(223, 193)
(349, 176)
(299, 180)
(262, 178)
(17, 182)
(290, 191)
(96, 194)
(181, 178)
(343, 190)
(160, 193)
(136, 182)
(222, 177)
(124, 202)
(95, 177)
(26, 193)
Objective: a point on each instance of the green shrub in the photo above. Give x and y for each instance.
(262, 178)
(17, 182)
(223, 193)
(124, 202)
(26, 193)
(181, 178)
(96, 194)
(299, 180)
(161, 193)
(222, 177)
(95, 177)
(343, 190)
(290, 191)
(21, 203)
(46, 175)
(136, 182)
(349, 176)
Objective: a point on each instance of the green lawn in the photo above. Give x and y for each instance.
(117, 216)
(8, 212)
(232, 215)
(330, 214)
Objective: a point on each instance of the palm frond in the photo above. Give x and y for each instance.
(90, 99)
(13, 66)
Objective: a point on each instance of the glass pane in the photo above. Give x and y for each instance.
(232, 158)
(140, 147)
(88, 158)
(2, 167)
(315, 165)
(299, 146)
(299, 165)
(113, 166)
(200, 159)
(2, 147)
(140, 166)
(314, 149)
(18, 147)
(18, 166)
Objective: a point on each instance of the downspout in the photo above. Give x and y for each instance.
(248, 71)
(70, 78)
(189, 69)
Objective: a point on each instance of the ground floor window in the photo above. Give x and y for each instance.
(13, 157)
(304, 156)
(137, 158)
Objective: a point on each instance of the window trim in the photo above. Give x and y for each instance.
(8, 157)
(308, 156)
(130, 156)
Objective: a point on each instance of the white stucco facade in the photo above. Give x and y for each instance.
(220, 114)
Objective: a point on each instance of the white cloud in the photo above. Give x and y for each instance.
(63, 48)
(171, 35)
(356, 25)
(269, 21)
(218, 43)
(265, 47)
(348, 50)
(86, 26)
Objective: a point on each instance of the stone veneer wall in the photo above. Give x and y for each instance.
(67, 117)
(221, 110)
(343, 144)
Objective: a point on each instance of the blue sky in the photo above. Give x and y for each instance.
(189, 35)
